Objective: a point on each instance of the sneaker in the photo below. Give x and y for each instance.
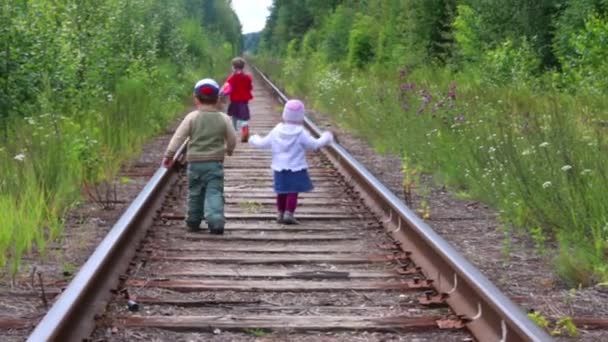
(193, 229)
(288, 218)
(216, 231)
(245, 134)
(280, 217)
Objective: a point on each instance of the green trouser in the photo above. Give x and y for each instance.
(206, 195)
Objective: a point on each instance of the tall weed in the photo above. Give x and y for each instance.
(538, 156)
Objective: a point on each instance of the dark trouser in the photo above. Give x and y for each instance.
(206, 195)
(287, 202)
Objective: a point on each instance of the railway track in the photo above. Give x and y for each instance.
(359, 267)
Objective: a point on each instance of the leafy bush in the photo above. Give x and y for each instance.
(467, 33)
(360, 43)
(585, 65)
(84, 84)
(510, 64)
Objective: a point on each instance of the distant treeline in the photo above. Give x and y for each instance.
(251, 42)
(568, 36)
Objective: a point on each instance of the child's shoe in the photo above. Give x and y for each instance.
(280, 217)
(288, 218)
(193, 228)
(216, 230)
(244, 133)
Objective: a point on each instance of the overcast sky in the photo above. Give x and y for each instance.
(252, 13)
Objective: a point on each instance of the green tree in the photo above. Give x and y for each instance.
(336, 33)
(361, 42)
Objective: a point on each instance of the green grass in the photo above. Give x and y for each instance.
(49, 156)
(537, 155)
(257, 332)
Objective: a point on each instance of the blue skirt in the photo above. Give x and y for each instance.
(239, 110)
(287, 181)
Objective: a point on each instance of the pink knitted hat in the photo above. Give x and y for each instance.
(293, 111)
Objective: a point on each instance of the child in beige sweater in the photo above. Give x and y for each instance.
(211, 136)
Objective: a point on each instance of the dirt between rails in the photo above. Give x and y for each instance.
(470, 227)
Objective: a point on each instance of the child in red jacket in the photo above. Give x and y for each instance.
(239, 86)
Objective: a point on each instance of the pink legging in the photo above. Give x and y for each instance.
(287, 202)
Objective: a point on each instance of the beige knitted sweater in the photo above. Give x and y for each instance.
(210, 136)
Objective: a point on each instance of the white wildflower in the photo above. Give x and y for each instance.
(546, 185)
(20, 157)
(544, 144)
(566, 168)
(526, 152)
(586, 172)
(491, 149)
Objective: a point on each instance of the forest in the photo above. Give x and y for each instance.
(503, 101)
(82, 85)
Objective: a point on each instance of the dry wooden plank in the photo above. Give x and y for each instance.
(271, 258)
(7, 323)
(190, 285)
(310, 202)
(256, 166)
(256, 306)
(272, 216)
(254, 177)
(48, 290)
(331, 189)
(255, 248)
(237, 236)
(243, 173)
(343, 203)
(284, 322)
(349, 224)
(589, 322)
(276, 227)
(252, 225)
(201, 302)
(302, 210)
(277, 273)
(320, 185)
(245, 194)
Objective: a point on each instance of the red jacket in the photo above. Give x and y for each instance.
(242, 85)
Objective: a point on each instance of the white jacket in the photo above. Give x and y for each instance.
(289, 144)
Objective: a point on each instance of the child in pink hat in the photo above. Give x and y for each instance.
(289, 141)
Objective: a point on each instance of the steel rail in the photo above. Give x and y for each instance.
(487, 312)
(72, 316)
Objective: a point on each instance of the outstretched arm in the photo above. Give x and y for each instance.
(311, 143)
(261, 142)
